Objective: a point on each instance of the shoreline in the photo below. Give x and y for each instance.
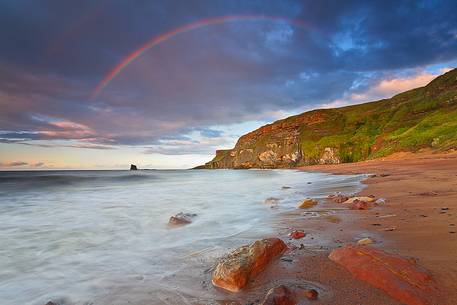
(416, 222)
(419, 217)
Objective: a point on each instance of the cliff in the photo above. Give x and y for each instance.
(425, 117)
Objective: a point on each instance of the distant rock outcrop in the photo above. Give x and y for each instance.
(133, 167)
(420, 118)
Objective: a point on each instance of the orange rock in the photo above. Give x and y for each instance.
(399, 277)
(280, 295)
(359, 205)
(297, 234)
(311, 294)
(234, 271)
(307, 203)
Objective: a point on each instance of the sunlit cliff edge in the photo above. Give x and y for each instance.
(424, 117)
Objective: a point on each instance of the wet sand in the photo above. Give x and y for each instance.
(416, 221)
(419, 218)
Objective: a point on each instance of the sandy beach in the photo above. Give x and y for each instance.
(417, 221)
(419, 217)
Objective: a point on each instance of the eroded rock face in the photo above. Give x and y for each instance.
(329, 156)
(280, 295)
(399, 277)
(233, 272)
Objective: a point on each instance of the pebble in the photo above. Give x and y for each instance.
(365, 241)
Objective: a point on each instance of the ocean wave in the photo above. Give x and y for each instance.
(62, 179)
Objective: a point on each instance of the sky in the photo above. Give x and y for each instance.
(101, 84)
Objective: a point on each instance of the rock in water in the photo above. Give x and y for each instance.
(271, 200)
(280, 295)
(181, 219)
(133, 167)
(399, 277)
(307, 203)
(235, 270)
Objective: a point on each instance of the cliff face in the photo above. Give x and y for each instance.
(419, 118)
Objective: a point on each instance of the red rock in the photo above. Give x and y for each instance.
(235, 270)
(297, 234)
(311, 294)
(399, 277)
(280, 295)
(359, 205)
(338, 198)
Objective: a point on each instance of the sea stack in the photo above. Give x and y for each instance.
(133, 167)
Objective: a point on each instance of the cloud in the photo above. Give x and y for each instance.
(386, 87)
(221, 75)
(13, 164)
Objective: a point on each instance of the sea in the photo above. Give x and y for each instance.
(102, 237)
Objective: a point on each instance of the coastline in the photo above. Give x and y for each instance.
(416, 222)
(421, 204)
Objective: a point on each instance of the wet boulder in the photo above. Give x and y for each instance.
(181, 219)
(399, 277)
(364, 241)
(307, 203)
(360, 198)
(271, 200)
(338, 198)
(280, 295)
(359, 205)
(234, 271)
(297, 234)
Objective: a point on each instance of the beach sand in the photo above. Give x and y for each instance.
(421, 208)
(417, 221)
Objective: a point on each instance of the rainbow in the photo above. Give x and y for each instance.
(183, 29)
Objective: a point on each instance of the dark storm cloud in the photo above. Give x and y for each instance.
(54, 52)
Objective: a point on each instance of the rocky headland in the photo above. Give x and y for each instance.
(425, 117)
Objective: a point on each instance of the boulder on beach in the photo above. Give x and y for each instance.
(297, 234)
(133, 167)
(234, 271)
(361, 198)
(338, 198)
(359, 205)
(364, 241)
(280, 295)
(307, 203)
(181, 219)
(399, 277)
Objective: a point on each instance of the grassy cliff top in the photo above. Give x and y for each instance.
(418, 118)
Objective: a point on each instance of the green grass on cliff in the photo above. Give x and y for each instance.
(419, 118)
